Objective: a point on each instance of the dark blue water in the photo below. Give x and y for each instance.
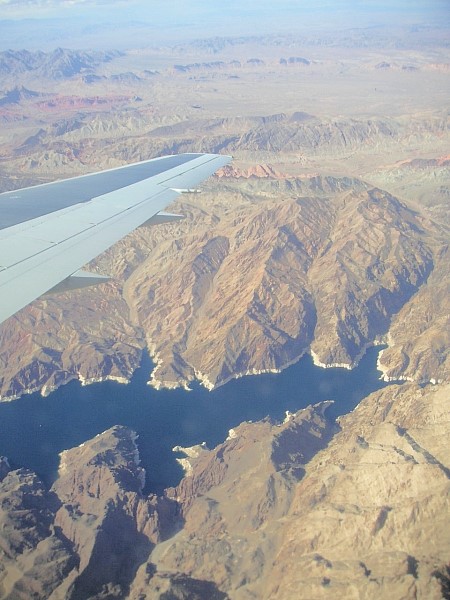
(33, 430)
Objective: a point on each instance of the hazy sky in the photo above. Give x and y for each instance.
(201, 18)
(175, 8)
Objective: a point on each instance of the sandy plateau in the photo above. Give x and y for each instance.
(327, 234)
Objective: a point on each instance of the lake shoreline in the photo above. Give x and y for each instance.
(166, 419)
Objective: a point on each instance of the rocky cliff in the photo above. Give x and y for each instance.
(275, 278)
(265, 267)
(91, 531)
(315, 510)
(306, 508)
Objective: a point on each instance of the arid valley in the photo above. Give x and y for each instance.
(327, 234)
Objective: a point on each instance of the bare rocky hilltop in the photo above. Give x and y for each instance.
(267, 514)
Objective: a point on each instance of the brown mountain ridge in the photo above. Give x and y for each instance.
(261, 271)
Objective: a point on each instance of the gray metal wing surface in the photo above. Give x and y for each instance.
(48, 232)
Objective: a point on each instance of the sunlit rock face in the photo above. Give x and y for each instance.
(358, 506)
(92, 530)
(280, 276)
(262, 270)
(355, 508)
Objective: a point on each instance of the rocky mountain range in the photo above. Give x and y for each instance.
(58, 64)
(286, 252)
(326, 265)
(18, 94)
(300, 489)
(327, 234)
(297, 136)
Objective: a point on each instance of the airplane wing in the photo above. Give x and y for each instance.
(48, 232)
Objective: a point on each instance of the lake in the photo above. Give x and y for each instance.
(34, 430)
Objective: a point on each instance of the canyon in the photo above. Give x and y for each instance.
(327, 234)
(265, 514)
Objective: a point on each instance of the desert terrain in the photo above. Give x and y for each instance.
(320, 139)
(328, 234)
